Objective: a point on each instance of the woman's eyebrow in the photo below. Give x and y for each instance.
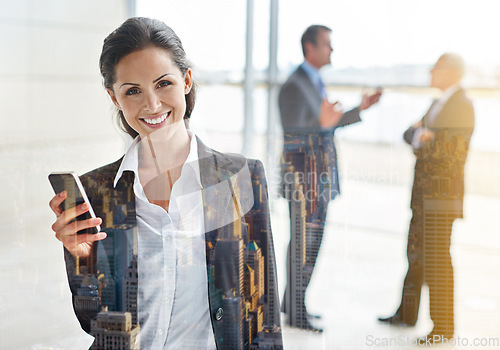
(133, 84)
(154, 81)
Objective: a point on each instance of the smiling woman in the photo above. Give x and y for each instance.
(149, 92)
(118, 46)
(187, 260)
(143, 96)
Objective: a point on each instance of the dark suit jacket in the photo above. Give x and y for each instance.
(234, 188)
(439, 168)
(308, 148)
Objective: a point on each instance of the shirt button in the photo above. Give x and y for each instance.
(170, 271)
(218, 314)
(160, 331)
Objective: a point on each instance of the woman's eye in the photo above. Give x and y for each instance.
(132, 91)
(164, 83)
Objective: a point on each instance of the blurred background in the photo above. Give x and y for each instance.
(56, 116)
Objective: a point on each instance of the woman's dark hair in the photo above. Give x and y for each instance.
(136, 34)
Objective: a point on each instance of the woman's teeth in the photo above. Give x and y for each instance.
(156, 120)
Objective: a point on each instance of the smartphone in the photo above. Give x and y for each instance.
(70, 182)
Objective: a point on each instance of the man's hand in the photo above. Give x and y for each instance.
(369, 100)
(426, 135)
(330, 114)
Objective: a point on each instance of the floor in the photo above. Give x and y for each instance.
(358, 276)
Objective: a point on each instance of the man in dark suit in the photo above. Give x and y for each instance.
(440, 141)
(309, 164)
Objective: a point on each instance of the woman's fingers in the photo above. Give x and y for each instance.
(66, 227)
(69, 215)
(69, 230)
(90, 238)
(80, 244)
(56, 201)
(71, 242)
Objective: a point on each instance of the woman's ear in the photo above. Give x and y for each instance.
(113, 98)
(188, 81)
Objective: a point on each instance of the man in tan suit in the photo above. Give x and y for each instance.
(440, 141)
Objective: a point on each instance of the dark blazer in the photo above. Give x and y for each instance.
(300, 104)
(439, 168)
(233, 187)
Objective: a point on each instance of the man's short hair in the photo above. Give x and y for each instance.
(311, 34)
(455, 61)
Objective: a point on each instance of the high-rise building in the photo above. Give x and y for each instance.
(114, 330)
(233, 323)
(254, 289)
(229, 266)
(257, 226)
(295, 297)
(107, 290)
(254, 259)
(439, 215)
(113, 263)
(311, 182)
(268, 339)
(314, 233)
(87, 300)
(130, 289)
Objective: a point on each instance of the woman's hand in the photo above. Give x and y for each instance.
(78, 245)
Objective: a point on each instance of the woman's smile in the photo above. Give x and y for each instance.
(156, 121)
(150, 90)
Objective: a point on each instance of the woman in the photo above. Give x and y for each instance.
(185, 257)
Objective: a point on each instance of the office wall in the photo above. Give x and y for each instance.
(55, 115)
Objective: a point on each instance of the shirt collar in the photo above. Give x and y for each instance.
(312, 72)
(130, 161)
(449, 92)
(193, 158)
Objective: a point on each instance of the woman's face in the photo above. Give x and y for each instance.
(150, 91)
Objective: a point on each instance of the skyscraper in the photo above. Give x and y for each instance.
(114, 330)
(439, 215)
(233, 322)
(295, 297)
(130, 289)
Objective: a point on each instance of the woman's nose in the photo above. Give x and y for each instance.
(153, 103)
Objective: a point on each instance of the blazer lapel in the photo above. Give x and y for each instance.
(227, 190)
(215, 203)
(436, 121)
(309, 90)
(426, 115)
(125, 191)
(448, 116)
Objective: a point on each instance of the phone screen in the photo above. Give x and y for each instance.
(70, 183)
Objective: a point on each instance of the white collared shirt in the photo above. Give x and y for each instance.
(315, 77)
(172, 300)
(433, 112)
